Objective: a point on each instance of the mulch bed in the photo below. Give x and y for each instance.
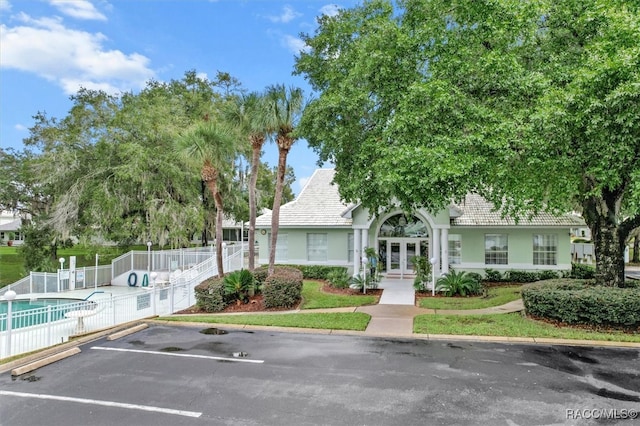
(256, 303)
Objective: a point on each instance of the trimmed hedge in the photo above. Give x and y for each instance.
(582, 271)
(210, 295)
(581, 302)
(311, 272)
(282, 289)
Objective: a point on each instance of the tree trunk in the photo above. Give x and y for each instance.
(283, 151)
(256, 145)
(217, 198)
(601, 214)
(636, 249)
(204, 239)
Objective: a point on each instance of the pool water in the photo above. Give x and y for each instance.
(39, 317)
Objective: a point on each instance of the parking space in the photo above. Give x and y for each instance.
(167, 375)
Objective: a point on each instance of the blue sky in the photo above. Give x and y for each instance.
(50, 48)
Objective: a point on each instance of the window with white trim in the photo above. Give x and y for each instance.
(455, 249)
(496, 249)
(282, 247)
(545, 249)
(317, 247)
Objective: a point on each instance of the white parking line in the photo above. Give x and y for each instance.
(103, 403)
(217, 358)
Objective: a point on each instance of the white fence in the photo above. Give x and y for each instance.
(23, 331)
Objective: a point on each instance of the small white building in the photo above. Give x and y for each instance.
(10, 223)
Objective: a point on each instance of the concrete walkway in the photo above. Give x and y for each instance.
(393, 315)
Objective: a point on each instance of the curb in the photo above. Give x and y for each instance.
(53, 351)
(415, 336)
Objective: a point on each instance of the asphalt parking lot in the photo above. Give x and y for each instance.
(175, 375)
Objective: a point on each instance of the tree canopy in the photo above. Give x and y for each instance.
(534, 105)
(109, 169)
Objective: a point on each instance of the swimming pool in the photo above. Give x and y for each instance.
(39, 312)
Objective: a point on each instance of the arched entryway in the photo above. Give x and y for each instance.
(400, 237)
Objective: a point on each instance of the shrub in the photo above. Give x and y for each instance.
(238, 284)
(312, 272)
(581, 302)
(458, 283)
(521, 276)
(547, 275)
(210, 295)
(283, 288)
(358, 282)
(423, 267)
(476, 276)
(260, 274)
(582, 272)
(338, 279)
(492, 275)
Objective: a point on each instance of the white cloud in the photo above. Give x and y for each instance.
(79, 9)
(5, 5)
(295, 44)
(287, 15)
(330, 9)
(70, 58)
(20, 127)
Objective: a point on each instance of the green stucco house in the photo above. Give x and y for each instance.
(318, 228)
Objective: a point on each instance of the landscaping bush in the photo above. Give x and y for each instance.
(521, 276)
(359, 282)
(283, 288)
(492, 275)
(476, 276)
(238, 285)
(260, 274)
(312, 272)
(581, 302)
(210, 295)
(338, 279)
(458, 283)
(547, 275)
(582, 272)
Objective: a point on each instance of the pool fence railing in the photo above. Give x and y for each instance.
(23, 331)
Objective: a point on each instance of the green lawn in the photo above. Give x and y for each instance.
(329, 321)
(313, 298)
(509, 325)
(496, 296)
(11, 266)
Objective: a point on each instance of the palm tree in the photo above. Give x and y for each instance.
(284, 108)
(249, 113)
(210, 147)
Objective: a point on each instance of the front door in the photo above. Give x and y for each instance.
(398, 253)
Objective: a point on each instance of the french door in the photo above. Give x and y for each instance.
(396, 253)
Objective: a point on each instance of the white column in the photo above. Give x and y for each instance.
(357, 252)
(365, 240)
(436, 251)
(444, 250)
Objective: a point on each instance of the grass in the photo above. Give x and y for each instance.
(11, 266)
(496, 296)
(509, 325)
(314, 298)
(329, 321)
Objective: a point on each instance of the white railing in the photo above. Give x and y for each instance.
(34, 329)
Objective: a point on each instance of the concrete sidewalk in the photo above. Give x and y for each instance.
(397, 320)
